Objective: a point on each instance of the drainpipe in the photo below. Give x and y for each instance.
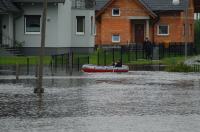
(154, 23)
(14, 25)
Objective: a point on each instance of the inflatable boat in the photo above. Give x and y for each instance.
(95, 68)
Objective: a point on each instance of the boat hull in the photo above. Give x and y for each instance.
(101, 69)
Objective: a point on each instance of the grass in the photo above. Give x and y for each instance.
(164, 61)
(22, 60)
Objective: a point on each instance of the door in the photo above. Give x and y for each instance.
(139, 33)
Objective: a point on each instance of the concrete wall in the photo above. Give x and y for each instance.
(86, 40)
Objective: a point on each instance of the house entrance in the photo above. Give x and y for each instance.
(139, 33)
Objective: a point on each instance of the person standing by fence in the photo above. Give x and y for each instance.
(147, 46)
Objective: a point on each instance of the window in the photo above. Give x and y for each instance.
(92, 26)
(80, 25)
(116, 38)
(32, 24)
(115, 12)
(163, 30)
(80, 3)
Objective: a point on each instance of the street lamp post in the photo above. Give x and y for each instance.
(39, 88)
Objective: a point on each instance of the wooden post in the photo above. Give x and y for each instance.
(39, 88)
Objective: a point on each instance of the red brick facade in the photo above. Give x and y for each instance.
(133, 13)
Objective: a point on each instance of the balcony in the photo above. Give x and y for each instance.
(83, 4)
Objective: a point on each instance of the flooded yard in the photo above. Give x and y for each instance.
(138, 101)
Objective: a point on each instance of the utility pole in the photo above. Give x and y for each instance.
(39, 88)
(186, 27)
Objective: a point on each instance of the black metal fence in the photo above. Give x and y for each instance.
(108, 55)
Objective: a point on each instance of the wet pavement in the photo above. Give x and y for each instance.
(139, 101)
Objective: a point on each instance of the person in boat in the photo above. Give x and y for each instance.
(118, 63)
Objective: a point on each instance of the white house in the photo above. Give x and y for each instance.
(70, 25)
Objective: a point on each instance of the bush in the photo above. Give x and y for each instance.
(179, 68)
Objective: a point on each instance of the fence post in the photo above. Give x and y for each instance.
(78, 63)
(136, 57)
(27, 66)
(36, 70)
(98, 57)
(128, 53)
(113, 54)
(104, 57)
(17, 72)
(55, 60)
(72, 60)
(121, 54)
(62, 56)
(88, 59)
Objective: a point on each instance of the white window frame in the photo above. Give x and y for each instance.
(158, 33)
(114, 40)
(25, 25)
(80, 33)
(115, 14)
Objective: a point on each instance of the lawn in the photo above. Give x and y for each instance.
(22, 60)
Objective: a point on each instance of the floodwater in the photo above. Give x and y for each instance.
(138, 101)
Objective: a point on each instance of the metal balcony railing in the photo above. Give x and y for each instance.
(83, 4)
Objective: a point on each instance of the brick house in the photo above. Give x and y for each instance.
(121, 22)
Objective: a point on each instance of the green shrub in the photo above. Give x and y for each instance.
(179, 68)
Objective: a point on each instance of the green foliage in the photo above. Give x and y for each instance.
(197, 35)
(179, 68)
(12, 60)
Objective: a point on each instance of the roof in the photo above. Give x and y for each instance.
(154, 5)
(56, 1)
(7, 6)
(161, 5)
(141, 2)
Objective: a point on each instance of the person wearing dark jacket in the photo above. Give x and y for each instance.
(147, 48)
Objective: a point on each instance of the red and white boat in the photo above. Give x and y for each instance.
(95, 68)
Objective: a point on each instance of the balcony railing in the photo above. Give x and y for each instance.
(83, 4)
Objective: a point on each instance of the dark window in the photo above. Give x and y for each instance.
(80, 25)
(163, 30)
(115, 12)
(32, 24)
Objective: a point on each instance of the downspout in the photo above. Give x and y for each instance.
(154, 23)
(14, 25)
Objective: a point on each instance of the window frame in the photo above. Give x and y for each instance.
(113, 12)
(113, 41)
(80, 33)
(158, 29)
(25, 28)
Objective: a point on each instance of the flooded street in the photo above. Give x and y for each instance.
(138, 101)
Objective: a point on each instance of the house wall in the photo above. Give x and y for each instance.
(107, 24)
(174, 21)
(86, 40)
(58, 30)
(7, 29)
